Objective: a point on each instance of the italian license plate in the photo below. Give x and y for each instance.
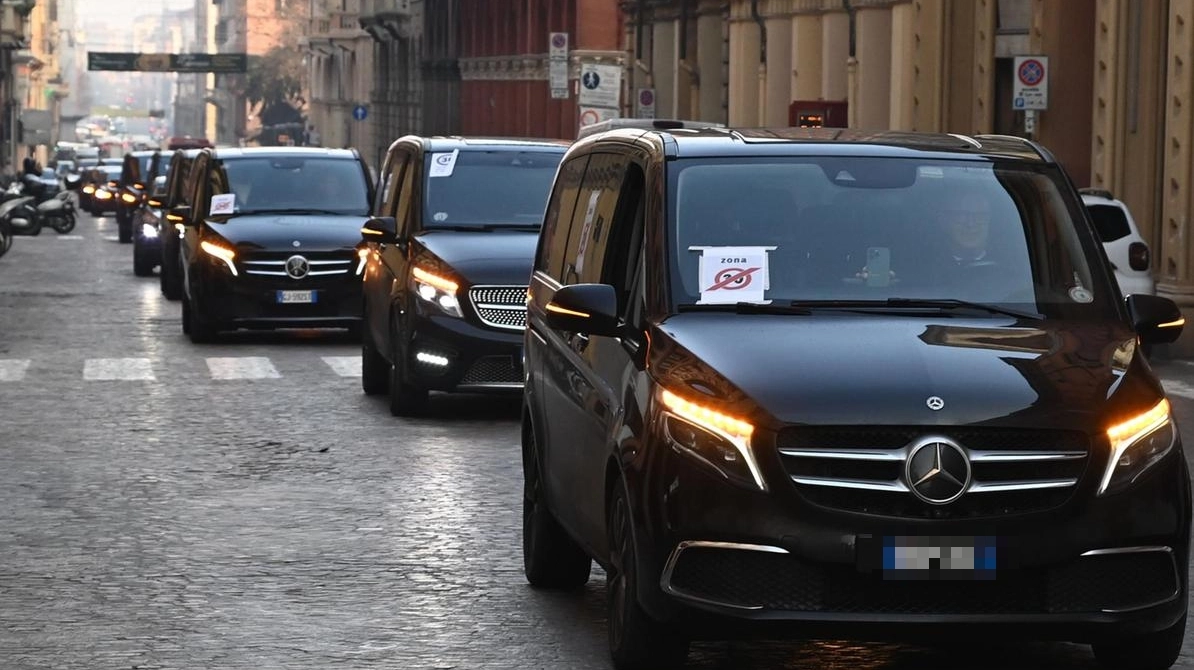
(923, 557)
(296, 297)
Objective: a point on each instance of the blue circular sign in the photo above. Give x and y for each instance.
(360, 112)
(591, 80)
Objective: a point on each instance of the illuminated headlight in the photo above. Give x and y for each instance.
(1136, 445)
(713, 438)
(103, 195)
(148, 230)
(89, 189)
(221, 252)
(128, 198)
(438, 291)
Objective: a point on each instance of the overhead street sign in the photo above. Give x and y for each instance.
(189, 62)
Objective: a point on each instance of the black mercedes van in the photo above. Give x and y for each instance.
(815, 381)
(449, 254)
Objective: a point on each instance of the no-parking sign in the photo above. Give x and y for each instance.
(1030, 89)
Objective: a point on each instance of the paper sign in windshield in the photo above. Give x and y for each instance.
(223, 203)
(730, 275)
(442, 165)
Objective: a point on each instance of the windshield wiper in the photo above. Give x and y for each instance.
(486, 227)
(297, 210)
(929, 303)
(746, 308)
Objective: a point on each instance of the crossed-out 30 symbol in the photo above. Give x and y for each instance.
(733, 279)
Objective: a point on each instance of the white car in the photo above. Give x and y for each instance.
(1127, 250)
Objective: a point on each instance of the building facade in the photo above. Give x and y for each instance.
(339, 55)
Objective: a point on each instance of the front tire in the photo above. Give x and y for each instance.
(1155, 651)
(171, 277)
(550, 558)
(406, 399)
(199, 326)
(375, 369)
(143, 262)
(636, 641)
(124, 230)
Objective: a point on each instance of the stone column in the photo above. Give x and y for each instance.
(872, 47)
(903, 67)
(663, 68)
(709, 50)
(1175, 279)
(779, 71)
(835, 51)
(928, 65)
(806, 56)
(744, 66)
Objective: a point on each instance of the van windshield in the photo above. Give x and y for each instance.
(263, 184)
(488, 188)
(861, 230)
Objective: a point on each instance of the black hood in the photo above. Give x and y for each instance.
(850, 369)
(497, 257)
(279, 232)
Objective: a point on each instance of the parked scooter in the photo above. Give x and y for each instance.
(39, 205)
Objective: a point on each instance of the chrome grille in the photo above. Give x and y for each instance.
(322, 264)
(862, 469)
(500, 306)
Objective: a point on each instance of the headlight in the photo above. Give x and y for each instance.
(89, 189)
(221, 252)
(438, 291)
(148, 230)
(128, 198)
(102, 194)
(718, 440)
(1136, 445)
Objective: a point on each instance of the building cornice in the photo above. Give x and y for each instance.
(531, 67)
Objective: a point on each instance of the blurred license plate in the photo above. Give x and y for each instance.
(904, 557)
(296, 296)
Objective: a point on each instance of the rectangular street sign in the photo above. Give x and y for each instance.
(600, 85)
(153, 62)
(1030, 82)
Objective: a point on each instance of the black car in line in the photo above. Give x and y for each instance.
(824, 382)
(149, 224)
(137, 172)
(455, 227)
(272, 239)
(177, 193)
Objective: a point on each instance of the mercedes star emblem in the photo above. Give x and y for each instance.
(938, 471)
(297, 244)
(935, 403)
(297, 267)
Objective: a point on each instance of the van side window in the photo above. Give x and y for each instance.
(593, 217)
(391, 175)
(405, 194)
(621, 255)
(558, 218)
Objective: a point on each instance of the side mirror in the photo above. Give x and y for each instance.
(584, 308)
(1157, 320)
(72, 182)
(180, 214)
(383, 229)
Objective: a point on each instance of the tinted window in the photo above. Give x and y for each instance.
(553, 240)
(263, 184)
(489, 188)
(1109, 222)
(837, 228)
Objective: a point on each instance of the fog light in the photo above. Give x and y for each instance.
(432, 359)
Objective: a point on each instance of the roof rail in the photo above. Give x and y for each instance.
(1100, 192)
(1040, 150)
(643, 124)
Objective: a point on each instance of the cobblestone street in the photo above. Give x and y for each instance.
(244, 505)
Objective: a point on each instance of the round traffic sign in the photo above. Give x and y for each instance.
(1031, 72)
(558, 40)
(589, 116)
(590, 79)
(646, 97)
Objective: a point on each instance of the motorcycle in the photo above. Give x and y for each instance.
(34, 206)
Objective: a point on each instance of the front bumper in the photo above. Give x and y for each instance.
(721, 560)
(451, 354)
(250, 301)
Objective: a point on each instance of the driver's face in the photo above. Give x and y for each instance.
(967, 222)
